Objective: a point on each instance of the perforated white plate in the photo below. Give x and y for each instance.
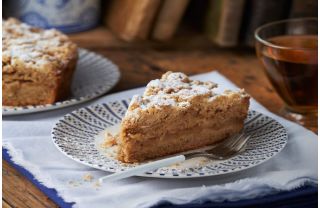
(75, 135)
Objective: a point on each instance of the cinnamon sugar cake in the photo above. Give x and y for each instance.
(37, 64)
(177, 114)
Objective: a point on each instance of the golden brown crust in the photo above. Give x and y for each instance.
(37, 65)
(178, 115)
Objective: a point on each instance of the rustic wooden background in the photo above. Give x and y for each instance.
(141, 62)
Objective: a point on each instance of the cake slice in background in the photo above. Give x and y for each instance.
(176, 114)
(37, 65)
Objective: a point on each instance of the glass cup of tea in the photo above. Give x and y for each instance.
(288, 50)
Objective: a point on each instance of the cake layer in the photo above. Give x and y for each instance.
(28, 87)
(22, 93)
(172, 119)
(148, 148)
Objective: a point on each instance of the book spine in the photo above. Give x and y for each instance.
(131, 19)
(168, 19)
(230, 22)
(261, 12)
(224, 21)
(305, 8)
(150, 15)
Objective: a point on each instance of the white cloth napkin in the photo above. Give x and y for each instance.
(27, 137)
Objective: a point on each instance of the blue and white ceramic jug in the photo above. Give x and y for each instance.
(66, 15)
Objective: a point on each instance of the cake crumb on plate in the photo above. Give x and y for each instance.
(111, 140)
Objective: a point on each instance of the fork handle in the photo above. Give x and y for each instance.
(203, 154)
(143, 168)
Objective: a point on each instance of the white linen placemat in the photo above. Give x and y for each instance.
(29, 143)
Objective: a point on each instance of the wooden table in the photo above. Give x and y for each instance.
(141, 62)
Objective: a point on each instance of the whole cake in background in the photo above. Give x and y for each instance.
(176, 114)
(37, 65)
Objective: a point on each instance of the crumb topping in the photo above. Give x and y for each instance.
(34, 47)
(174, 89)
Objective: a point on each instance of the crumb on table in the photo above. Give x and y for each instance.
(74, 183)
(87, 177)
(97, 184)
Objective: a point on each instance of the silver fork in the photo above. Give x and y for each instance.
(221, 151)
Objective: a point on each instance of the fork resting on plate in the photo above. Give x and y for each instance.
(220, 151)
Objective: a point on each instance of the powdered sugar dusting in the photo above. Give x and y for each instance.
(33, 47)
(174, 89)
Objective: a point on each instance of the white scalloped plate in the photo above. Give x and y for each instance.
(78, 136)
(94, 76)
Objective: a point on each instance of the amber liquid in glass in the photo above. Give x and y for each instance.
(294, 72)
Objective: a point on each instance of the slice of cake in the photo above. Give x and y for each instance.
(177, 114)
(37, 65)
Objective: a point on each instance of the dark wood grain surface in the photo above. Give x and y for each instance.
(141, 62)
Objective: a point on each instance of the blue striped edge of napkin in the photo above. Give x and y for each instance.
(306, 196)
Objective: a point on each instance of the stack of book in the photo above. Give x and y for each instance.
(228, 23)
(231, 23)
(141, 19)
